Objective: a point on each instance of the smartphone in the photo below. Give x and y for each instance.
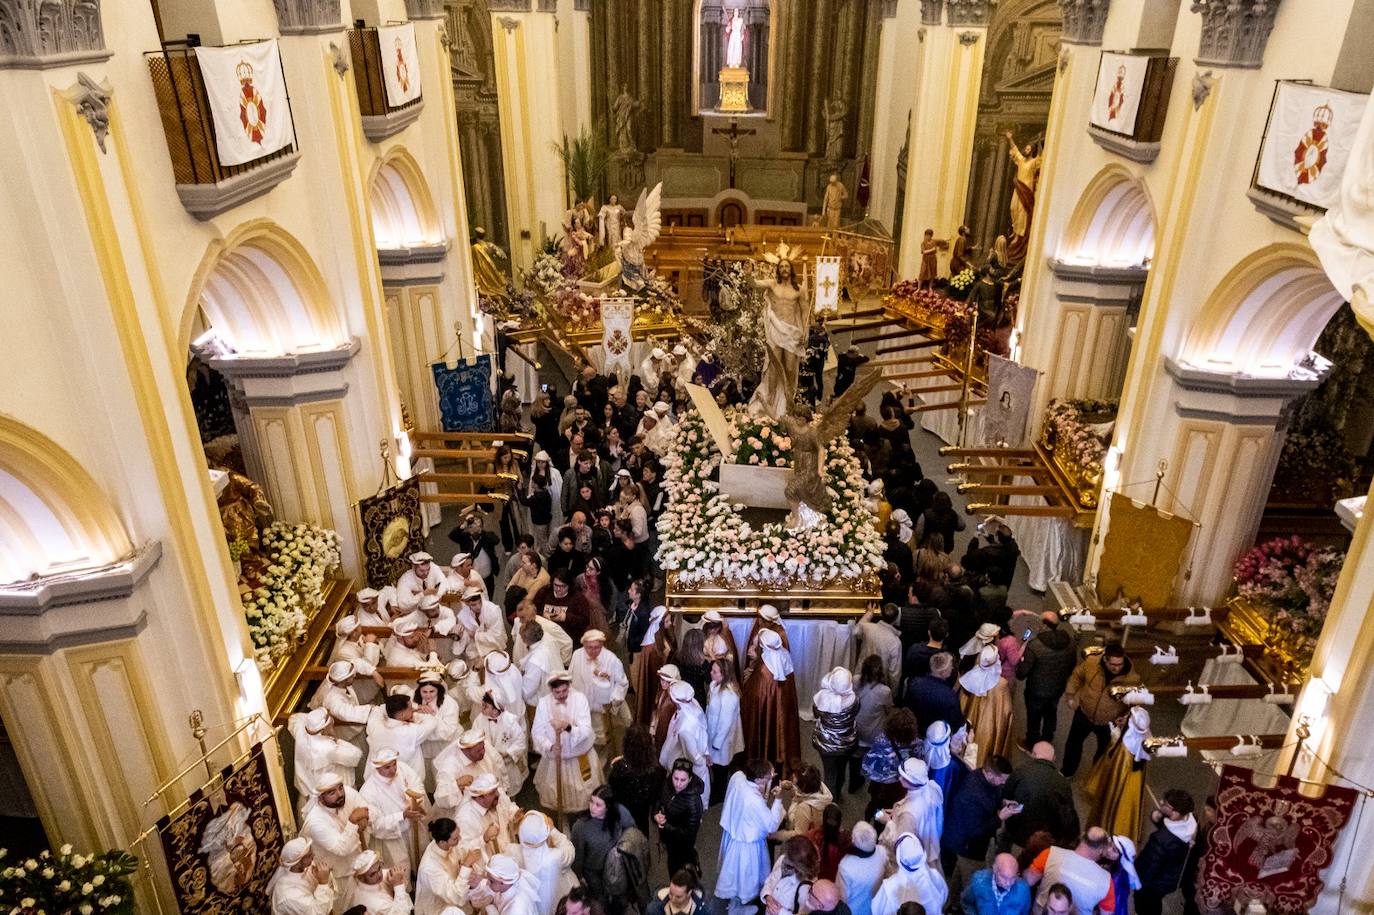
(1025, 636)
(544, 387)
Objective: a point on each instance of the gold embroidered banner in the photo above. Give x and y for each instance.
(392, 529)
(223, 849)
(1142, 552)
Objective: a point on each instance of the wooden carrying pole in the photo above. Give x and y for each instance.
(949, 405)
(907, 347)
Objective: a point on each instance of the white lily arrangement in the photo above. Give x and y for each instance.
(300, 557)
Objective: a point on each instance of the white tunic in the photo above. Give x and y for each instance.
(535, 669)
(407, 738)
(389, 832)
(688, 738)
(506, 737)
(409, 587)
(299, 894)
(487, 630)
(442, 623)
(521, 899)
(921, 812)
(858, 879)
(343, 706)
(553, 631)
(440, 881)
(578, 771)
(380, 899)
(398, 655)
(317, 755)
(453, 764)
(550, 865)
(507, 688)
(602, 681)
(723, 725)
(746, 819)
(474, 821)
(921, 885)
(335, 839)
(447, 729)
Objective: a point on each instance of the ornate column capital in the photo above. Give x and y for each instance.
(1234, 32)
(889, 9)
(1084, 20)
(969, 12)
(424, 9)
(307, 17)
(931, 11)
(35, 34)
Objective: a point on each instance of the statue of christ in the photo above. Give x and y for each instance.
(734, 41)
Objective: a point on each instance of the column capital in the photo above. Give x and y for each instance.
(931, 11)
(1084, 20)
(424, 9)
(307, 17)
(54, 33)
(1236, 398)
(291, 379)
(969, 12)
(1234, 32)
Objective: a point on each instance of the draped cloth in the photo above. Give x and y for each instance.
(771, 725)
(989, 717)
(1022, 206)
(644, 682)
(1115, 788)
(817, 647)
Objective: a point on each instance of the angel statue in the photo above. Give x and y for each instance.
(785, 324)
(805, 490)
(630, 251)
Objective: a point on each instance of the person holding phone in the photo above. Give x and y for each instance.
(974, 811)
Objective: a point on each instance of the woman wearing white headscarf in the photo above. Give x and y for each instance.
(656, 648)
(772, 727)
(913, 881)
(905, 529)
(546, 855)
(986, 703)
(501, 678)
(835, 708)
(1115, 785)
(944, 767)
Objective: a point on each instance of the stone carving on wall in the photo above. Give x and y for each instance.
(92, 101)
(37, 33)
(509, 6)
(970, 12)
(1084, 20)
(424, 9)
(1234, 32)
(1202, 87)
(339, 58)
(471, 68)
(305, 17)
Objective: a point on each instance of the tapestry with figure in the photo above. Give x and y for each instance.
(466, 403)
(1010, 387)
(393, 528)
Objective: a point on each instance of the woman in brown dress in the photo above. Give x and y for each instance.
(771, 724)
(656, 649)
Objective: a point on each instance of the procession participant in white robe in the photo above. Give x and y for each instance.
(502, 679)
(486, 818)
(921, 812)
(336, 823)
(507, 890)
(318, 753)
(660, 438)
(569, 769)
(351, 644)
(441, 626)
(546, 855)
(600, 676)
(397, 726)
(462, 763)
(337, 696)
(652, 367)
(461, 679)
(538, 665)
(505, 735)
(432, 698)
(686, 364)
(485, 621)
(370, 609)
(302, 884)
(861, 871)
(519, 648)
(461, 575)
(382, 891)
(751, 812)
(408, 645)
(423, 577)
(913, 881)
(688, 737)
(396, 801)
(445, 876)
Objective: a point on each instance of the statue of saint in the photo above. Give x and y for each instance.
(622, 114)
(786, 319)
(835, 111)
(805, 489)
(608, 222)
(1023, 189)
(734, 41)
(489, 265)
(835, 196)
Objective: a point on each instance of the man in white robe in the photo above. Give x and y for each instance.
(505, 736)
(351, 644)
(487, 817)
(445, 877)
(569, 769)
(397, 726)
(507, 890)
(546, 855)
(921, 812)
(336, 823)
(652, 367)
(539, 664)
(462, 575)
(746, 820)
(441, 627)
(423, 577)
(483, 622)
(913, 881)
(408, 645)
(369, 607)
(397, 805)
(688, 737)
(302, 884)
(382, 891)
(318, 752)
(503, 680)
(600, 676)
(559, 635)
(462, 763)
(337, 696)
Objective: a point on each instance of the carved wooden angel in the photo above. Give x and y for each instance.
(805, 490)
(630, 251)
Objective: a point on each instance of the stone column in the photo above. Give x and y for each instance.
(420, 325)
(896, 93)
(949, 71)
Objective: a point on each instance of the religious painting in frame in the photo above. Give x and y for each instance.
(466, 403)
(1120, 85)
(223, 849)
(393, 528)
(1307, 142)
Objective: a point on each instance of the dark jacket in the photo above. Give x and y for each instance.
(659, 905)
(914, 624)
(1047, 663)
(916, 660)
(933, 700)
(1088, 687)
(682, 812)
(971, 816)
(1047, 799)
(1160, 863)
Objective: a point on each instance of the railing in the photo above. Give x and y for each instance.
(367, 75)
(187, 122)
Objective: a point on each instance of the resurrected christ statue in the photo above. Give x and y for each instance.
(734, 41)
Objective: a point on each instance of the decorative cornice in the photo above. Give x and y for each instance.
(582, 6)
(415, 266)
(1084, 20)
(205, 200)
(1285, 211)
(889, 9)
(969, 12)
(424, 9)
(308, 17)
(967, 39)
(377, 127)
(1237, 398)
(86, 586)
(35, 34)
(931, 11)
(1234, 32)
(509, 6)
(1135, 150)
(547, 6)
(1098, 284)
(292, 379)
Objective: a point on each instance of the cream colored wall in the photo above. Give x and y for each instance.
(896, 94)
(574, 62)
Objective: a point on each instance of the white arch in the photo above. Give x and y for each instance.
(403, 214)
(1113, 224)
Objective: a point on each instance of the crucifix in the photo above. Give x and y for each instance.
(733, 135)
(828, 285)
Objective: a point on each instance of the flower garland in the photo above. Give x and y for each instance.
(280, 603)
(735, 332)
(758, 440)
(1291, 582)
(68, 884)
(1065, 427)
(705, 539)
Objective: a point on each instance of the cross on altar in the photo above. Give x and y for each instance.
(733, 135)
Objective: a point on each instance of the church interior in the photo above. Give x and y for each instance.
(638, 389)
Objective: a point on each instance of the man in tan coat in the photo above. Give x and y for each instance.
(1094, 709)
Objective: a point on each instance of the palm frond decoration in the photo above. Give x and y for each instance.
(585, 160)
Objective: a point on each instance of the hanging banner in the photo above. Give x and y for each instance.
(400, 63)
(1270, 844)
(1120, 82)
(248, 104)
(827, 284)
(1010, 387)
(393, 528)
(466, 403)
(1141, 554)
(224, 848)
(1308, 142)
(617, 315)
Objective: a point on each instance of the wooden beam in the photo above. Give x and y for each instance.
(890, 335)
(472, 454)
(504, 437)
(955, 451)
(836, 327)
(1001, 469)
(948, 405)
(906, 347)
(928, 373)
(881, 363)
(1026, 511)
(464, 498)
(1245, 691)
(996, 489)
(934, 389)
(477, 479)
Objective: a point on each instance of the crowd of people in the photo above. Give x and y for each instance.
(544, 653)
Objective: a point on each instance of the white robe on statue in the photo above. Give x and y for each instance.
(688, 738)
(550, 864)
(506, 737)
(746, 819)
(380, 899)
(335, 839)
(389, 832)
(299, 894)
(577, 770)
(317, 755)
(603, 682)
(440, 881)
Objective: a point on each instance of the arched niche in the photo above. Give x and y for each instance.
(402, 208)
(1265, 314)
(708, 51)
(53, 516)
(263, 295)
(1113, 224)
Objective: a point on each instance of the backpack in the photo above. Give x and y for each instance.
(625, 874)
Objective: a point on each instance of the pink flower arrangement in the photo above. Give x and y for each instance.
(1066, 427)
(1290, 582)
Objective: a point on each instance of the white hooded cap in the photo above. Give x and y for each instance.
(365, 862)
(534, 829)
(503, 868)
(340, 671)
(293, 852)
(913, 772)
(316, 720)
(346, 626)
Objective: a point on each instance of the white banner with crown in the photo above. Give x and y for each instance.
(248, 104)
(1311, 131)
(400, 63)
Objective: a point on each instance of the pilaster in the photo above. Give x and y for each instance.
(896, 94)
(1083, 347)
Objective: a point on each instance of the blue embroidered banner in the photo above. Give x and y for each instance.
(465, 399)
